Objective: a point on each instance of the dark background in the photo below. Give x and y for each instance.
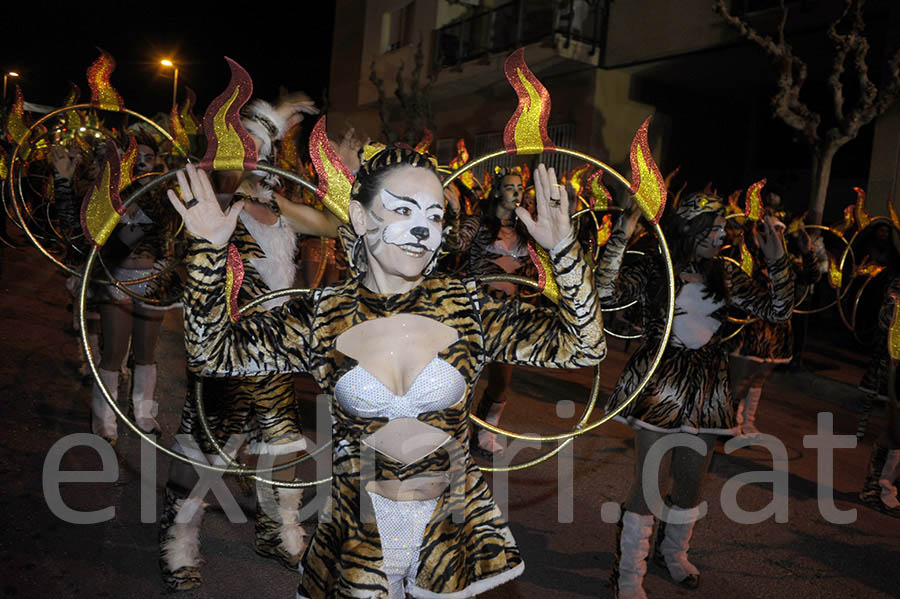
(280, 45)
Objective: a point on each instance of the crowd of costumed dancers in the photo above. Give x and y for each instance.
(415, 277)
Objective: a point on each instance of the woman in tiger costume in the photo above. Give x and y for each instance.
(689, 392)
(496, 243)
(400, 351)
(262, 409)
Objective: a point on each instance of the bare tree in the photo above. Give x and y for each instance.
(414, 103)
(850, 51)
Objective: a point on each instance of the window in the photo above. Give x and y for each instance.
(397, 28)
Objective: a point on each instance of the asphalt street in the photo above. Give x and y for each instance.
(559, 510)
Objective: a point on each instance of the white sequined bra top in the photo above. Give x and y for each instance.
(437, 387)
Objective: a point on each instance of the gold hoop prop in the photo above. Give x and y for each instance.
(839, 293)
(15, 164)
(657, 358)
(231, 467)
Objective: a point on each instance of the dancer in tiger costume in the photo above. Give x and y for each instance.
(496, 243)
(689, 392)
(880, 485)
(400, 351)
(261, 407)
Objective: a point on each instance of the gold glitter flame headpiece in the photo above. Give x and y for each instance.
(526, 131)
(335, 179)
(863, 218)
(229, 146)
(647, 183)
(103, 95)
(16, 129)
(753, 204)
(102, 207)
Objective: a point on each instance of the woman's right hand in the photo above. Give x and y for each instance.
(203, 217)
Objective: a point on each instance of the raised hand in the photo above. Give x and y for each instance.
(769, 240)
(203, 217)
(63, 163)
(553, 223)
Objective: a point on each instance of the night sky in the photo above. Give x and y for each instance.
(51, 46)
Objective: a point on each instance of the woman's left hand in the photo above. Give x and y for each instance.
(553, 223)
(769, 240)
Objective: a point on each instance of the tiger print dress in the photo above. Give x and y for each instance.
(264, 408)
(690, 390)
(467, 547)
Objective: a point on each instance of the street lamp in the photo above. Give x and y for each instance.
(5, 75)
(168, 63)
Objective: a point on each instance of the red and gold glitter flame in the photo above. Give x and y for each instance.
(102, 206)
(753, 204)
(234, 277)
(188, 120)
(870, 269)
(894, 330)
(600, 197)
(4, 165)
(103, 95)
(848, 221)
(577, 180)
(74, 94)
(229, 146)
(461, 158)
(647, 184)
(863, 218)
(795, 225)
(16, 129)
(895, 220)
(605, 230)
(746, 259)
(835, 276)
(335, 179)
(126, 175)
(425, 142)
(179, 134)
(541, 260)
(526, 131)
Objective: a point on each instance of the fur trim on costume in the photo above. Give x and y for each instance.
(473, 589)
(279, 243)
(293, 537)
(263, 448)
(181, 547)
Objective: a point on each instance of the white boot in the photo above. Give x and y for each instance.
(180, 541)
(145, 408)
(103, 418)
(282, 537)
(632, 549)
(486, 439)
(747, 412)
(674, 541)
(886, 480)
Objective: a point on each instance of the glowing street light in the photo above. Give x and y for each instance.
(168, 63)
(5, 75)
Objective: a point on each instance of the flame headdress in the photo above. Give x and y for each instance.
(229, 146)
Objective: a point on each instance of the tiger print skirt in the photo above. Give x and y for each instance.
(689, 392)
(264, 408)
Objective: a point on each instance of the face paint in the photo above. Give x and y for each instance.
(412, 222)
(510, 192)
(709, 246)
(146, 159)
(403, 224)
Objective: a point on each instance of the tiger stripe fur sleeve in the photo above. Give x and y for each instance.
(775, 304)
(266, 342)
(615, 284)
(568, 335)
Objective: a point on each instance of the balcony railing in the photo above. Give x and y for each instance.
(518, 23)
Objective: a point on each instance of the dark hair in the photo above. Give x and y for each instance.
(369, 179)
(489, 204)
(682, 236)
